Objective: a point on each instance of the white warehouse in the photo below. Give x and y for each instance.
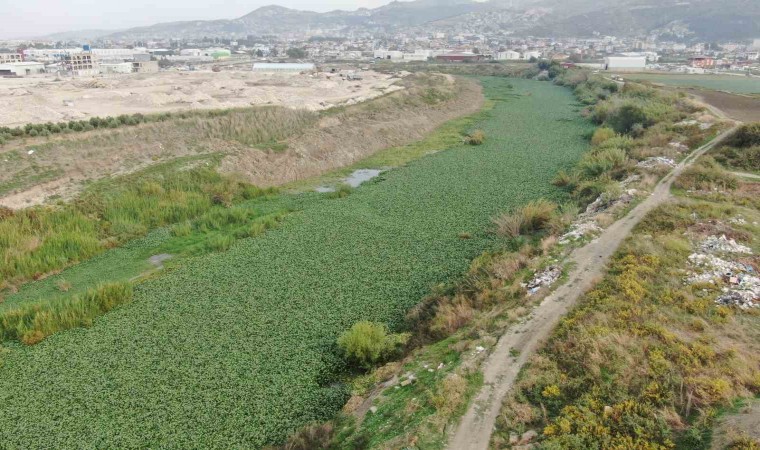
(625, 63)
(284, 67)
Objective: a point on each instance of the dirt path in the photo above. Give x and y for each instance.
(589, 262)
(746, 175)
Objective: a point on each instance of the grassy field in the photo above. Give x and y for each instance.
(728, 83)
(237, 348)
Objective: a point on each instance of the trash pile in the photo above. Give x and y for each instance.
(578, 231)
(545, 278)
(656, 162)
(741, 284)
(714, 244)
(678, 146)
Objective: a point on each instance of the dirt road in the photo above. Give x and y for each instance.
(500, 369)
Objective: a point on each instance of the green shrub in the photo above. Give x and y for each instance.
(747, 135)
(610, 161)
(706, 174)
(740, 158)
(602, 135)
(368, 343)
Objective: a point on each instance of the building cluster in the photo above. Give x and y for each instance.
(602, 52)
(82, 61)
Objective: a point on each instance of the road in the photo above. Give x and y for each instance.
(588, 264)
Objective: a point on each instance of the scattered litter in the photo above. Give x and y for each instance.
(545, 278)
(440, 366)
(678, 146)
(741, 284)
(373, 409)
(30, 152)
(715, 244)
(656, 161)
(578, 231)
(480, 349)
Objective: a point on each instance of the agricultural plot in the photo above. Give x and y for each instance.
(237, 349)
(728, 83)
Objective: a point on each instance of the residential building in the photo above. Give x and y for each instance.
(11, 58)
(702, 62)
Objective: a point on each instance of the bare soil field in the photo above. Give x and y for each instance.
(43, 99)
(37, 169)
(739, 107)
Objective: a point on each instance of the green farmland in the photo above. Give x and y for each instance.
(236, 349)
(728, 83)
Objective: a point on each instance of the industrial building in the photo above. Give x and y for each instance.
(111, 68)
(508, 55)
(459, 57)
(145, 66)
(21, 69)
(625, 63)
(284, 67)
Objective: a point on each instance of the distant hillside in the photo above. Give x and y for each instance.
(78, 35)
(687, 19)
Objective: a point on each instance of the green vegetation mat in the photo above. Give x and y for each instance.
(236, 349)
(728, 83)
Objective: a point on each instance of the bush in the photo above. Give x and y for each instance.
(706, 174)
(610, 161)
(746, 136)
(601, 135)
(368, 343)
(533, 217)
(477, 137)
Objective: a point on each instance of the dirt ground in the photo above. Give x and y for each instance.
(740, 107)
(344, 139)
(32, 172)
(41, 99)
(745, 423)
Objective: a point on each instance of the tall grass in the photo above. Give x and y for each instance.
(40, 240)
(533, 217)
(32, 322)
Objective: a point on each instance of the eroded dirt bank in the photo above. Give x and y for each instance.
(344, 138)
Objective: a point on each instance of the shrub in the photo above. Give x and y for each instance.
(746, 136)
(533, 217)
(706, 174)
(313, 436)
(601, 135)
(368, 343)
(477, 137)
(611, 161)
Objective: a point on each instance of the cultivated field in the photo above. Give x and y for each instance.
(36, 100)
(728, 83)
(237, 349)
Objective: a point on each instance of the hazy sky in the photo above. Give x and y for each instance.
(27, 18)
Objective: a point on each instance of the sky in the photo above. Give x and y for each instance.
(30, 18)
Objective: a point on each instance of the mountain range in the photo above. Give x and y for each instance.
(683, 19)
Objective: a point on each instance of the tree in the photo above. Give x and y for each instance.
(296, 53)
(259, 54)
(368, 343)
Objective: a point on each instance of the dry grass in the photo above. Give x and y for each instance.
(533, 217)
